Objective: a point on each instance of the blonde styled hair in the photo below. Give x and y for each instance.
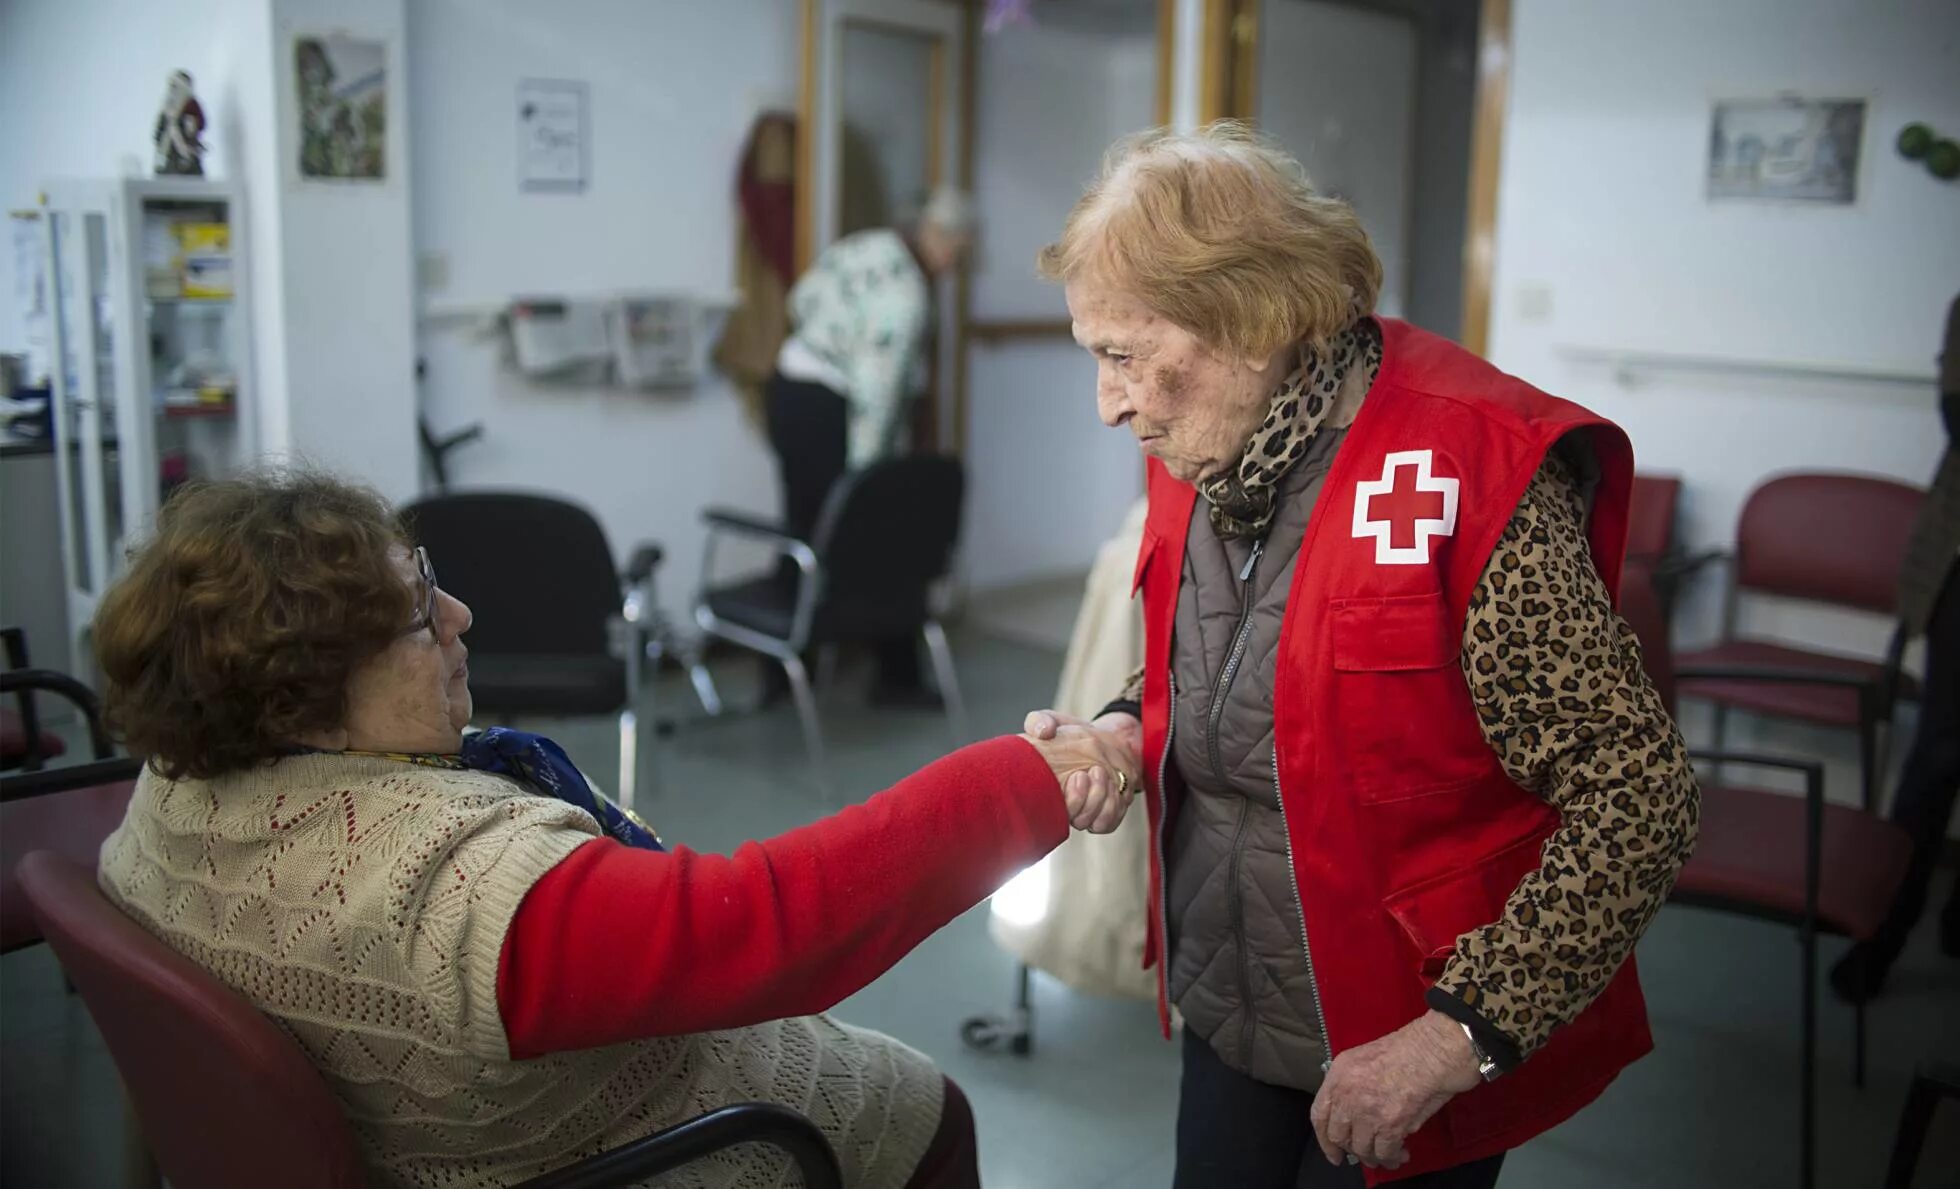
(1220, 232)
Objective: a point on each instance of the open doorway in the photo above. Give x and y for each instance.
(900, 94)
(1395, 105)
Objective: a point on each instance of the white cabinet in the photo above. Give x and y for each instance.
(152, 374)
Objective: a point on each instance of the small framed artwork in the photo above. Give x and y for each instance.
(553, 136)
(1787, 149)
(340, 93)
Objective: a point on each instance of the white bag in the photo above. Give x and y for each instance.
(1079, 914)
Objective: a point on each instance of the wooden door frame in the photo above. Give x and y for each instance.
(1228, 61)
(1486, 153)
(968, 329)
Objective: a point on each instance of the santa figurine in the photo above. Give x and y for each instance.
(179, 126)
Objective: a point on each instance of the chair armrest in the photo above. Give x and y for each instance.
(647, 557)
(14, 642)
(744, 523)
(745, 1123)
(1813, 815)
(62, 685)
(1810, 770)
(46, 782)
(1677, 564)
(1771, 673)
(721, 521)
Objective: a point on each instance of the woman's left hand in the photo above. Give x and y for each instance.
(1377, 1094)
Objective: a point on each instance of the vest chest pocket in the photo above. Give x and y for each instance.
(1399, 699)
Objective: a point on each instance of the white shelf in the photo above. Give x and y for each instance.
(190, 301)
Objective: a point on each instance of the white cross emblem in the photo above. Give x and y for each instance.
(1404, 514)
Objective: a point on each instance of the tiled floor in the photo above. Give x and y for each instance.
(1094, 1105)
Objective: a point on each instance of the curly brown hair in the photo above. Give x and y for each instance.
(236, 628)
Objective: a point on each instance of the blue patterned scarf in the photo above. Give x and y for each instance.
(544, 768)
(534, 762)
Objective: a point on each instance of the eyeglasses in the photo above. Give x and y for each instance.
(427, 617)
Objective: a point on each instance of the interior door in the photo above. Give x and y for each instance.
(86, 400)
(1049, 482)
(881, 94)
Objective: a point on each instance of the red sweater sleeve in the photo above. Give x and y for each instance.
(616, 943)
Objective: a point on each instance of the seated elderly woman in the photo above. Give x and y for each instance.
(497, 971)
(1412, 798)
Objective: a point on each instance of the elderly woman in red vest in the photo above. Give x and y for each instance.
(1412, 798)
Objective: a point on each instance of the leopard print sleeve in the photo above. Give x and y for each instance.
(1130, 701)
(1565, 703)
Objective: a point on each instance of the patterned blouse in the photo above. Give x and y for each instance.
(862, 311)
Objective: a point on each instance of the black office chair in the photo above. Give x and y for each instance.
(24, 742)
(559, 630)
(883, 544)
(1931, 1082)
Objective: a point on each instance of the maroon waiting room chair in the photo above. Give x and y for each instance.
(1834, 539)
(198, 1062)
(68, 809)
(1791, 859)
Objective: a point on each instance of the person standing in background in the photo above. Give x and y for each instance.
(1929, 602)
(862, 316)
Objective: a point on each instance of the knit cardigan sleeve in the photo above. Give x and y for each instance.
(617, 944)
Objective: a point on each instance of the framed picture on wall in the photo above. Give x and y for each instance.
(1786, 149)
(553, 149)
(340, 92)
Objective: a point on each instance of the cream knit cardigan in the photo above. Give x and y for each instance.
(362, 903)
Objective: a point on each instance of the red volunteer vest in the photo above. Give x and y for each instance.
(1404, 830)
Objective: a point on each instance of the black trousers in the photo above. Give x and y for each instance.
(808, 429)
(1931, 777)
(1238, 1132)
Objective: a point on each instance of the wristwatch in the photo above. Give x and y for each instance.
(1487, 1067)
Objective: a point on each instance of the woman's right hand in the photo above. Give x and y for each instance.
(1099, 773)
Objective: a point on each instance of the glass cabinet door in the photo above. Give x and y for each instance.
(84, 415)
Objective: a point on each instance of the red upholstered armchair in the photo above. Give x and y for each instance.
(1834, 539)
(68, 809)
(1653, 515)
(1791, 859)
(199, 1061)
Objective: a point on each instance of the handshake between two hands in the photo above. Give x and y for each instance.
(1376, 1094)
(1099, 764)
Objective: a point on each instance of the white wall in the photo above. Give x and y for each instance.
(344, 272)
(80, 101)
(1048, 483)
(81, 80)
(673, 89)
(343, 328)
(1601, 217)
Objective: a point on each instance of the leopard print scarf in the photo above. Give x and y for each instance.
(1243, 496)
